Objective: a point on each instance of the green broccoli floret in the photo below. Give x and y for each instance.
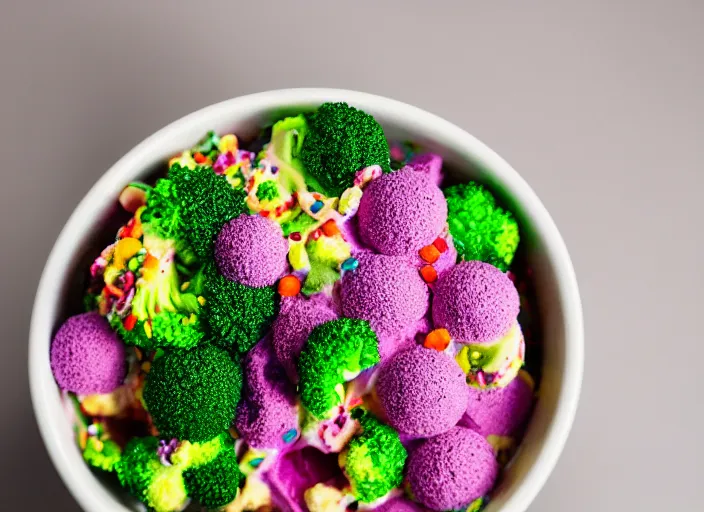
(138, 466)
(102, 454)
(154, 472)
(216, 483)
(161, 315)
(162, 218)
(480, 229)
(237, 315)
(267, 191)
(374, 459)
(206, 201)
(192, 395)
(341, 140)
(335, 352)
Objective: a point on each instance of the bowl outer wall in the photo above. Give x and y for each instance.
(558, 294)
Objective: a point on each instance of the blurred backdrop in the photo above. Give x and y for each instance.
(597, 104)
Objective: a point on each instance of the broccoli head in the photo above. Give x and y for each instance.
(102, 454)
(341, 140)
(237, 315)
(192, 395)
(374, 459)
(335, 352)
(206, 201)
(161, 314)
(154, 471)
(480, 229)
(216, 483)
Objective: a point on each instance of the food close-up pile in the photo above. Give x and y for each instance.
(318, 320)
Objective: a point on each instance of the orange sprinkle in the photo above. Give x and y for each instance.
(330, 228)
(150, 262)
(429, 274)
(289, 286)
(438, 339)
(114, 290)
(429, 253)
(130, 322)
(199, 158)
(440, 244)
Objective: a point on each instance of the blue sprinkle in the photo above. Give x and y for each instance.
(274, 169)
(350, 264)
(255, 462)
(290, 435)
(317, 206)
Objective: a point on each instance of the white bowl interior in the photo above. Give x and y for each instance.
(559, 302)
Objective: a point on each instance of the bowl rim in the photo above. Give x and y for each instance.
(97, 497)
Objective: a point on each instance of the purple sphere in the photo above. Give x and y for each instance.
(500, 411)
(86, 355)
(267, 417)
(297, 318)
(450, 471)
(385, 290)
(401, 212)
(476, 302)
(429, 164)
(251, 250)
(423, 392)
(400, 504)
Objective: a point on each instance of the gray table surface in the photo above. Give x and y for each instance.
(597, 103)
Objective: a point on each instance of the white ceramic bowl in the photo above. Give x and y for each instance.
(558, 296)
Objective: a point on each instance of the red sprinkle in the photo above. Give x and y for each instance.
(315, 234)
(199, 158)
(130, 322)
(114, 290)
(428, 273)
(295, 236)
(264, 213)
(440, 244)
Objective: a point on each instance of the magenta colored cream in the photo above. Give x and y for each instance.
(476, 302)
(450, 471)
(401, 212)
(385, 290)
(251, 250)
(268, 411)
(86, 355)
(423, 392)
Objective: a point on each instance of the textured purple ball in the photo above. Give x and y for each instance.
(476, 302)
(430, 164)
(87, 357)
(267, 417)
(401, 212)
(450, 471)
(423, 392)
(251, 250)
(500, 411)
(385, 290)
(297, 318)
(400, 504)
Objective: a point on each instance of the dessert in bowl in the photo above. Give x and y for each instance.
(300, 311)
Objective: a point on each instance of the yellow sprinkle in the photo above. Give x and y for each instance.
(228, 143)
(476, 355)
(201, 300)
(148, 329)
(185, 286)
(146, 366)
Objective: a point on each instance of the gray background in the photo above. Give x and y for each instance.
(598, 104)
